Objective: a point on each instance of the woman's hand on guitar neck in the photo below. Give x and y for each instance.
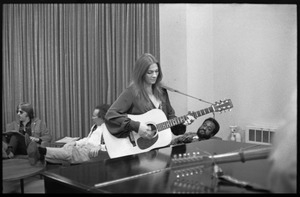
(189, 120)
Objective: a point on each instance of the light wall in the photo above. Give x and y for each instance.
(243, 52)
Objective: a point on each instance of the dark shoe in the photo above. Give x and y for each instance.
(42, 151)
(27, 139)
(33, 153)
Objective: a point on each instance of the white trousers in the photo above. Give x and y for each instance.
(68, 153)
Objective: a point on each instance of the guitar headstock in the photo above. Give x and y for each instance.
(223, 105)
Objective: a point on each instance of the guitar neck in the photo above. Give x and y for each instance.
(179, 120)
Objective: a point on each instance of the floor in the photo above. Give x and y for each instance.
(33, 184)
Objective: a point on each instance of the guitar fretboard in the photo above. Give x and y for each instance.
(178, 120)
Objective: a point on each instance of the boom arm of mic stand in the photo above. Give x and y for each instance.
(172, 90)
(193, 97)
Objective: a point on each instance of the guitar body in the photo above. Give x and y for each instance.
(118, 147)
(157, 120)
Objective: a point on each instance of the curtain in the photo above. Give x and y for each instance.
(65, 59)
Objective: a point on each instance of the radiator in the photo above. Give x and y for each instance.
(259, 135)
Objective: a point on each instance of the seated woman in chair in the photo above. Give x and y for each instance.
(207, 130)
(14, 139)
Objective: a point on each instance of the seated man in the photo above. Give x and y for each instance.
(76, 151)
(20, 132)
(208, 129)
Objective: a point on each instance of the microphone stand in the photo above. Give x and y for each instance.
(173, 90)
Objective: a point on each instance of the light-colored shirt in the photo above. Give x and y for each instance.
(94, 137)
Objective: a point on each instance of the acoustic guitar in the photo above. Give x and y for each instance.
(160, 126)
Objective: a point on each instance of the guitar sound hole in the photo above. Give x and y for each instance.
(146, 143)
(153, 130)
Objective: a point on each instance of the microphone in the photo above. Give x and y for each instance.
(173, 90)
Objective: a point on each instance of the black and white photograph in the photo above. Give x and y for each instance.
(154, 98)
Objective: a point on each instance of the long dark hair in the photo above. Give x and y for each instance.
(139, 72)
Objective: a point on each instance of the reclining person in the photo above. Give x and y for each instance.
(76, 151)
(209, 128)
